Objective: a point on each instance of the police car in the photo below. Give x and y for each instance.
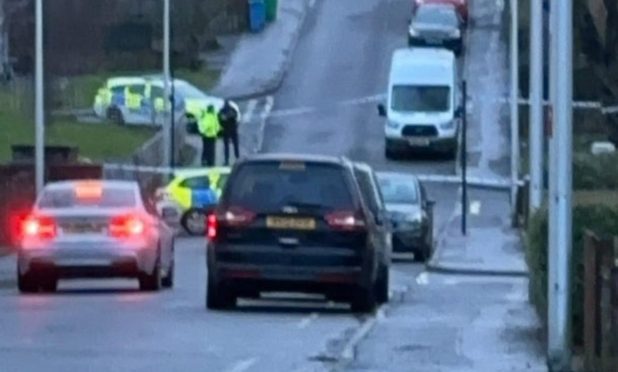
(139, 100)
(186, 199)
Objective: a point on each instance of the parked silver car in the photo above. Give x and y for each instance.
(94, 229)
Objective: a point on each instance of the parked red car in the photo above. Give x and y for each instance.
(460, 5)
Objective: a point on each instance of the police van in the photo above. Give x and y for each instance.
(139, 100)
(423, 102)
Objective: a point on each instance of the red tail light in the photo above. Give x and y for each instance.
(211, 226)
(345, 220)
(127, 226)
(40, 227)
(236, 216)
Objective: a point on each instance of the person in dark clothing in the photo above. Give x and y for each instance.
(228, 117)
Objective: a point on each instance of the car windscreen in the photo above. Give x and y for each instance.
(108, 197)
(420, 98)
(398, 191)
(270, 186)
(436, 16)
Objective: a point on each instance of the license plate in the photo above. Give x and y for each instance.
(83, 262)
(290, 223)
(434, 41)
(81, 229)
(418, 141)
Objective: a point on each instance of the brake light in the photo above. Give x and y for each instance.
(236, 216)
(40, 227)
(211, 226)
(126, 226)
(345, 220)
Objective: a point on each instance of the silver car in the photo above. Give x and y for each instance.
(410, 212)
(94, 229)
(436, 25)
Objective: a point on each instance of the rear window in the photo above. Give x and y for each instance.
(272, 186)
(109, 197)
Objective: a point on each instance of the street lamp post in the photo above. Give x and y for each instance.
(169, 120)
(39, 140)
(535, 140)
(514, 104)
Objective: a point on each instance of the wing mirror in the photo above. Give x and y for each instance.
(431, 203)
(382, 110)
(460, 112)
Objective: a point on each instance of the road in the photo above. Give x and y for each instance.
(343, 56)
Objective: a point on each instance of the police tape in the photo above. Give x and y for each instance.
(493, 182)
(591, 105)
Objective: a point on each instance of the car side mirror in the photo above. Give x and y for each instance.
(459, 113)
(431, 203)
(381, 110)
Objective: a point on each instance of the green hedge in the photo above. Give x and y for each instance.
(602, 219)
(595, 172)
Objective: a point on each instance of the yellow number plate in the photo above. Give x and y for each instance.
(290, 223)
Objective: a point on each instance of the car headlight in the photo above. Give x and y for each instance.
(449, 125)
(392, 124)
(412, 31)
(455, 34)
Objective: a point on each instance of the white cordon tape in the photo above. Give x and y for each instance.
(605, 110)
(474, 181)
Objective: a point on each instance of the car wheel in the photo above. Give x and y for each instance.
(115, 115)
(49, 284)
(168, 280)
(27, 283)
(218, 296)
(151, 282)
(389, 152)
(194, 222)
(382, 285)
(364, 300)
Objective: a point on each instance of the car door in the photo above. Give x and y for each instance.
(428, 209)
(371, 194)
(165, 232)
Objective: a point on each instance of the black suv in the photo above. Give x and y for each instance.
(299, 223)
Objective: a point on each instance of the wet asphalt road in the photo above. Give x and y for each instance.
(344, 54)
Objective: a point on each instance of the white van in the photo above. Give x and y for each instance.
(423, 104)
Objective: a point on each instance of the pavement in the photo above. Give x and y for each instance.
(489, 247)
(259, 61)
(325, 103)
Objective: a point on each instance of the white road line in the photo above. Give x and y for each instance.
(268, 106)
(422, 278)
(243, 365)
(304, 323)
(248, 116)
(475, 207)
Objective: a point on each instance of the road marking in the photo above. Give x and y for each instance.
(311, 3)
(422, 278)
(243, 365)
(349, 349)
(304, 323)
(268, 106)
(249, 111)
(475, 207)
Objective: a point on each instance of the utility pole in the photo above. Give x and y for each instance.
(168, 119)
(535, 130)
(514, 105)
(39, 129)
(464, 159)
(559, 343)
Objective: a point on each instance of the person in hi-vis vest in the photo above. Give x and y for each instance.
(209, 128)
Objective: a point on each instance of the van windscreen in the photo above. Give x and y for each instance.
(421, 98)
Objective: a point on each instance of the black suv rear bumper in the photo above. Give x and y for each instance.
(311, 269)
